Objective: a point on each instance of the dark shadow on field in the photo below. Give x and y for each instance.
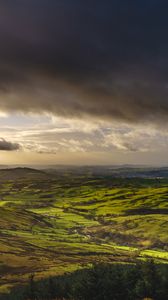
(147, 211)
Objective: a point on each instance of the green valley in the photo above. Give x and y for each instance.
(57, 222)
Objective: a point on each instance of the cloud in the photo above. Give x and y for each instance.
(48, 136)
(139, 139)
(104, 59)
(8, 146)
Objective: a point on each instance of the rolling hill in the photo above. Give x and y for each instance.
(54, 222)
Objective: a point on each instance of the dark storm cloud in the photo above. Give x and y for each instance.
(100, 58)
(8, 146)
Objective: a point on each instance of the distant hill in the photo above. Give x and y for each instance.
(100, 171)
(22, 173)
(3, 166)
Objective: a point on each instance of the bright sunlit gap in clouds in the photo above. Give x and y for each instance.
(48, 139)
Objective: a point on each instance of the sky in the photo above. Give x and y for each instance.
(83, 82)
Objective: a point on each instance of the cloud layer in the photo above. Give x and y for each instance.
(106, 59)
(59, 135)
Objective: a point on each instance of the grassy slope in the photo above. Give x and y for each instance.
(49, 226)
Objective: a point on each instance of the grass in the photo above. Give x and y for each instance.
(49, 226)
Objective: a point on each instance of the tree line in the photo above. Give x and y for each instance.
(144, 280)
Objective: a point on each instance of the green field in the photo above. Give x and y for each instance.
(56, 223)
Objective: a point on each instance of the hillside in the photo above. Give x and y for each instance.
(55, 224)
(21, 173)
